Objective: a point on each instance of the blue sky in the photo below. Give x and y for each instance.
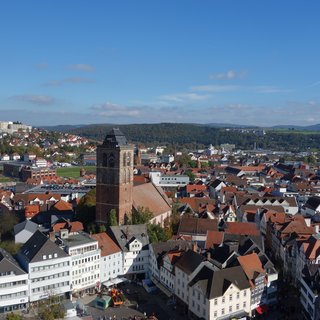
(79, 62)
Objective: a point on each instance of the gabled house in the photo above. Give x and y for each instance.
(13, 284)
(312, 206)
(184, 268)
(111, 262)
(218, 294)
(47, 265)
(310, 291)
(196, 228)
(133, 240)
(214, 188)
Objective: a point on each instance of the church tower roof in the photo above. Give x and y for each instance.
(115, 138)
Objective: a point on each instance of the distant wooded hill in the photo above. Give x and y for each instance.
(289, 138)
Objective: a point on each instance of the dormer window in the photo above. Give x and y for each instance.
(44, 257)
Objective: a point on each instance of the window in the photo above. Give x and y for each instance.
(223, 299)
(230, 308)
(237, 306)
(230, 297)
(238, 295)
(222, 311)
(244, 304)
(215, 302)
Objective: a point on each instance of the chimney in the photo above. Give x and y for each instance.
(194, 247)
(307, 221)
(208, 253)
(52, 236)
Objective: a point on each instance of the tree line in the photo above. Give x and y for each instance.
(192, 135)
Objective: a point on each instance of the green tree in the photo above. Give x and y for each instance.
(112, 218)
(51, 309)
(141, 215)
(184, 160)
(190, 175)
(13, 316)
(156, 233)
(8, 220)
(10, 246)
(102, 228)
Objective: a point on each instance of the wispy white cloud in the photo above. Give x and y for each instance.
(82, 67)
(78, 80)
(71, 80)
(34, 99)
(115, 110)
(228, 75)
(183, 97)
(269, 89)
(215, 88)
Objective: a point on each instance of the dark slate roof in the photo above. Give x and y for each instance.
(25, 225)
(215, 283)
(8, 264)
(115, 138)
(215, 183)
(123, 235)
(189, 261)
(313, 203)
(38, 246)
(161, 248)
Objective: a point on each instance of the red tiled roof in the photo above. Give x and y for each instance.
(62, 205)
(195, 188)
(251, 265)
(106, 244)
(74, 226)
(242, 228)
(214, 238)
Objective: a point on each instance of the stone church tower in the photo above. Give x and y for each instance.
(114, 177)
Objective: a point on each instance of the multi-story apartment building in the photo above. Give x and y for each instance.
(184, 268)
(48, 266)
(13, 284)
(111, 262)
(84, 253)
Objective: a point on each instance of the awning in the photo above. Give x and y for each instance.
(262, 309)
(113, 282)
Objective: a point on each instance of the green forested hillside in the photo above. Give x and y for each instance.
(192, 135)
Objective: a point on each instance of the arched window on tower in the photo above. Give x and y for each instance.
(129, 159)
(104, 160)
(124, 159)
(111, 160)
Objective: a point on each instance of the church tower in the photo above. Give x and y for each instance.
(114, 177)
